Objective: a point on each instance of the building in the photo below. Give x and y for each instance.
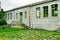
(40, 15)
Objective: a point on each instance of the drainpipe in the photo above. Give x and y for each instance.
(29, 17)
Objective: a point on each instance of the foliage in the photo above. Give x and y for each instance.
(28, 34)
(2, 22)
(2, 13)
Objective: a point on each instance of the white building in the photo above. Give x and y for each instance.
(40, 15)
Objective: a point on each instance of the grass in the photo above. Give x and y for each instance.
(28, 34)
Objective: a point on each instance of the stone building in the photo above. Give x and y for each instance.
(39, 15)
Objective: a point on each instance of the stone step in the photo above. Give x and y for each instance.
(17, 26)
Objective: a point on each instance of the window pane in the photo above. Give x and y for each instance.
(45, 10)
(56, 5)
(5, 16)
(21, 14)
(54, 10)
(10, 15)
(38, 12)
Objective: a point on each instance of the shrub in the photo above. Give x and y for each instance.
(2, 22)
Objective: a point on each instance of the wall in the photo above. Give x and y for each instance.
(48, 23)
(25, 21)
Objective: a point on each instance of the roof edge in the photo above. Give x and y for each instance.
(30, 5)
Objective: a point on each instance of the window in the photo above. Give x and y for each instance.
(45, 10)
(21, 14)
(54, 10)
(16, 15)
(25, 14)
(10, 15)
(38, 12)
(5, 16)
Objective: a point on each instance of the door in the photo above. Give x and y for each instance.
(21, 17)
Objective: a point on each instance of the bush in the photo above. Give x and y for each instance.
(2, 22)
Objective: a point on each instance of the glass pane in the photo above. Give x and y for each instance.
(45, 8)
(21, 14)
(10, 15)
(56, 5)
(55, 10)
(38, 12)
(5, 16)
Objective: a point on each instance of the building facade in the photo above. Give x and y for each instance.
(40, 15)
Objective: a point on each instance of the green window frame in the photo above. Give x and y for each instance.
(54, 9)
(21, 14)
(25, 14)
(45, 11)
(5, 16)
(10, 15)
(38, 12)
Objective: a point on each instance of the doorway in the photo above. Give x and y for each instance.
(21, 17)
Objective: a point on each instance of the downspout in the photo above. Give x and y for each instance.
(29, 17)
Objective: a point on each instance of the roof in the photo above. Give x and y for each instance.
(30, 5)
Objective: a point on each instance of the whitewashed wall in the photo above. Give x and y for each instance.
(25, 21)
(48, 23)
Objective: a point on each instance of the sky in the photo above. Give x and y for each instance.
(10, 4)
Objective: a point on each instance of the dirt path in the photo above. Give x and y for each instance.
(17, 26)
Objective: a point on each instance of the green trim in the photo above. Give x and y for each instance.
(38, 12)
(10, 15)
(45, 10)
(54, 9)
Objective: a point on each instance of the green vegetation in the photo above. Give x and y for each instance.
(2, 13)
(28, 34)
(2, 19)
(2, 22)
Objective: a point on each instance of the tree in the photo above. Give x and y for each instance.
(2, 13)
(2, 20)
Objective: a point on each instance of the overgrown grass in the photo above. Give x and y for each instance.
(9, 29)
(28, 34)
